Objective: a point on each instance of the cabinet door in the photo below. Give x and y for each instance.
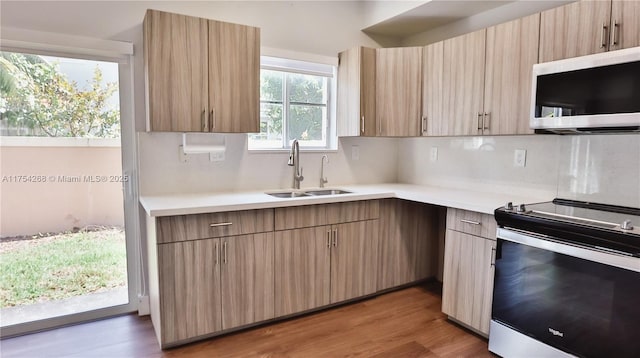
(463, 83)
(512, 50)
(302, 268)
(399, 91)
(189, 289)
(234, 78)
(408, 243)
(434, 124)
(467, 283)
(577, 29)
(354, 260)
(176, 57)
(247, 279)
(356, 92)
(625, 24)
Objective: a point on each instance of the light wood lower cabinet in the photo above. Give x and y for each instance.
(327, 264)
(408, 242)
(302, 267)
(467, 283)
(211, 285)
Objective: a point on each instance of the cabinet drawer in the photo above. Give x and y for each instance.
(471, 222)
(325, 214)
(202, 226)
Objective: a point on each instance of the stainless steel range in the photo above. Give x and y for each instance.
(567, 281)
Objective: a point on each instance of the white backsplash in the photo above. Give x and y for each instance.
(601, 169)
(162, 172)
(485, 163)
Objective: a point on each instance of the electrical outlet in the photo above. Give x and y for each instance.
(216, 156)
(355, 152)
(434, 154)
(520, 158)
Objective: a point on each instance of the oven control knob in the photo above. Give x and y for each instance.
(626, 225)
(508, 206)
(521, 208)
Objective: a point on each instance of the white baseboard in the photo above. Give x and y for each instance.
(143, 306)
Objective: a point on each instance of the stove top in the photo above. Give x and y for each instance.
(604, 226)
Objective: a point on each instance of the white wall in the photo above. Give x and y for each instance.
(161, 171)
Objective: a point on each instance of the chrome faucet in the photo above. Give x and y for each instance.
(294, 161)
(323, 179)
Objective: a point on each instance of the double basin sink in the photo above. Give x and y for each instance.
(316, 192)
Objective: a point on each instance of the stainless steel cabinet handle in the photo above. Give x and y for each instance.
(212, 119)
(493, 256)
(217, 254)
(485, 120)
(203, 121)
(328, 238)
(615, 34)
(225, 252)
(423, 127)
(470, 222)
(479, 121)
(221, 224)
(603, 36)
(362, 125)
(380, 127)
(335, 237)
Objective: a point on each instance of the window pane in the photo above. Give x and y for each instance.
(308, 125)
(271, 85)
(47, 96)
(307, 88)
(270, 135)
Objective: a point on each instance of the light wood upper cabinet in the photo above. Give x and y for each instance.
(234, 77)
(625, 24)
(201, 75)
(176, 69)
(463, 83)
(511, 52)
(354, 260)
(408, 242)
(433, 122)
(399, 91)
(588, 27)
(356, 92)
(302, 269)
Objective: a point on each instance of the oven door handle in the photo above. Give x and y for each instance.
(603, 256)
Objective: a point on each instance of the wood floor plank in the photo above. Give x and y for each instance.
(405, 323)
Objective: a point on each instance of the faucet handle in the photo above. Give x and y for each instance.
(300, 177)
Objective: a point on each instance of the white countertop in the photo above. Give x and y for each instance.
(474, 200)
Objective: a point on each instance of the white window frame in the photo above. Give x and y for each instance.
(289, 62)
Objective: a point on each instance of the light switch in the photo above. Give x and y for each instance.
(520, 158)
(433, 154)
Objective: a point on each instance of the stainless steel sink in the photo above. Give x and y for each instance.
(288, 194)
(318, 192)
(327, 192)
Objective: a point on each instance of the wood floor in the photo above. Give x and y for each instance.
(406, 323)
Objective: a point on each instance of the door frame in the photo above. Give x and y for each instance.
(101, 50)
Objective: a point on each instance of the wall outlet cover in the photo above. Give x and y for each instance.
(520, 158)
(216, 156)
(433, 156)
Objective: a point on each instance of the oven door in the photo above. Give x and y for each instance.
(581, 301)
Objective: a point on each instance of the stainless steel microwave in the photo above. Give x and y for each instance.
(594, 93)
